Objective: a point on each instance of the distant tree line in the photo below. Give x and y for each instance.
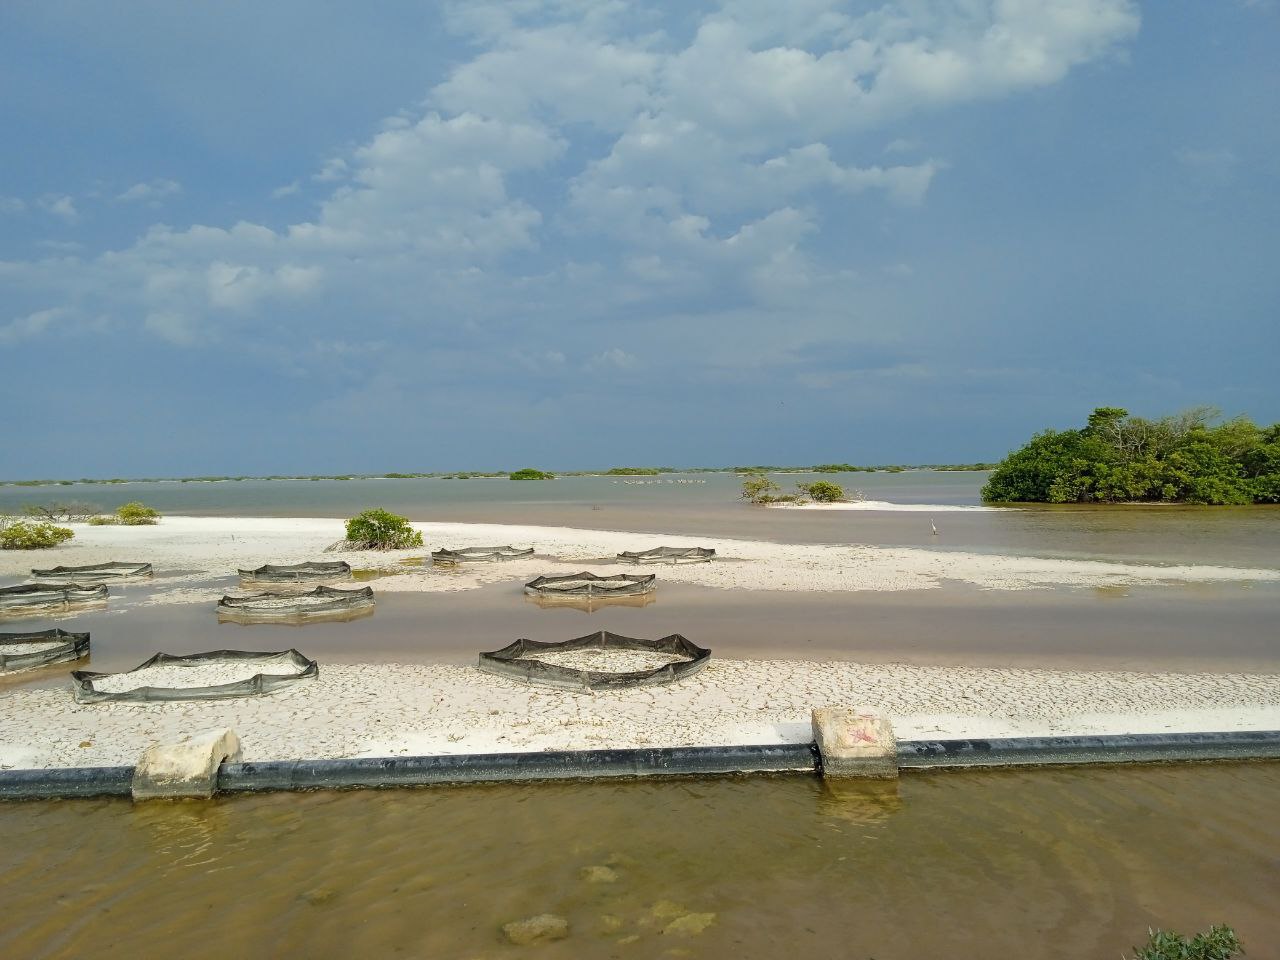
(1116, 458)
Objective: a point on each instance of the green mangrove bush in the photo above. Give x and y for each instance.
(137, 514)
(381, 530)
(1116, 458)
(822, 491)
(529, 473)
(31, 535)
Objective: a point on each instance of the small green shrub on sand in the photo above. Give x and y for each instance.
(137, 514)
(104, 520)
(381, 530)
(757, 488)
(529, 473)
(822, 491)
(1220, 943)
(31, 535)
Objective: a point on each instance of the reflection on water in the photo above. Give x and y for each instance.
(591, 604)
(248, 618)
(1046, 864)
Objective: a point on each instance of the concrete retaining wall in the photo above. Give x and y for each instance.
(673, 761)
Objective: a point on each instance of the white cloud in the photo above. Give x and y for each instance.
(334, 169)
(695, 167)
(60, 206)
(151, 191)
(12, 205)
(615, 358)
(31, 325)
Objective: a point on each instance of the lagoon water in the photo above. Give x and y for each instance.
(1051, 864)
(708, 505)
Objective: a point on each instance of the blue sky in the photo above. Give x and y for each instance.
(318, 236)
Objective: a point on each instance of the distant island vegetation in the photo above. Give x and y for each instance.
(505, 474)
(1189, 457)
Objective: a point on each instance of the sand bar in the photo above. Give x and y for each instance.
(202, 548)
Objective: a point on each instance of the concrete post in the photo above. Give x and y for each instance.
(188, 768)
(855, 742)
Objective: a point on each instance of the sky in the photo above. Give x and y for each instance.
(314, 237)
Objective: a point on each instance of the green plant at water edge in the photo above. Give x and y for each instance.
(137, 514)
(757, 488)
(529, 473)
(1114, 458)
(822, 491)
(104, 520)
(382, 530)
(1220, 943)
(31, 535)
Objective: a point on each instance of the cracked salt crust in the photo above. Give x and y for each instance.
(394, 709)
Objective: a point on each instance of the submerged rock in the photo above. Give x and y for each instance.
(666, 909)
(689, 925)
(599, 874)
(610, 923)
(545, 926)
(318, 895)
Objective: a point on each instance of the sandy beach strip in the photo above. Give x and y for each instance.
(406, 709)
(192, 550)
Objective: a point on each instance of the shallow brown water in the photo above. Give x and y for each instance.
(1195, 627)
(1046, 864)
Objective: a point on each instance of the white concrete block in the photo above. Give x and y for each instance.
(855, 742)
(188, 768)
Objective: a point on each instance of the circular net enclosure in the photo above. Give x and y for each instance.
(479, 554)
(308, 572)
(43, 596)
(198, 676)
(669, 555)
(587, 586)
(95, 572)
(27, 651)
(598, 661)
(322, 602)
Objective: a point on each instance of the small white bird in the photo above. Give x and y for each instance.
(934, 526)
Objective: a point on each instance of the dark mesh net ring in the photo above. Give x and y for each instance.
(37, 596)
(27, 651)
(584, 661)
(479, 554)
(261, 673)
(320, 602)
(95, 572)
(297, 572)
(668, 555)
(589, 586)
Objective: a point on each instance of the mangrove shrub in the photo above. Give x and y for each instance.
(137, 514)
(1115, 458)
(381, 530)
(31, 535)
(822, 491)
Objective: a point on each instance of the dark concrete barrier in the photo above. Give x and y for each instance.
(669, 761)
(1113, 748)
(511, 767)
